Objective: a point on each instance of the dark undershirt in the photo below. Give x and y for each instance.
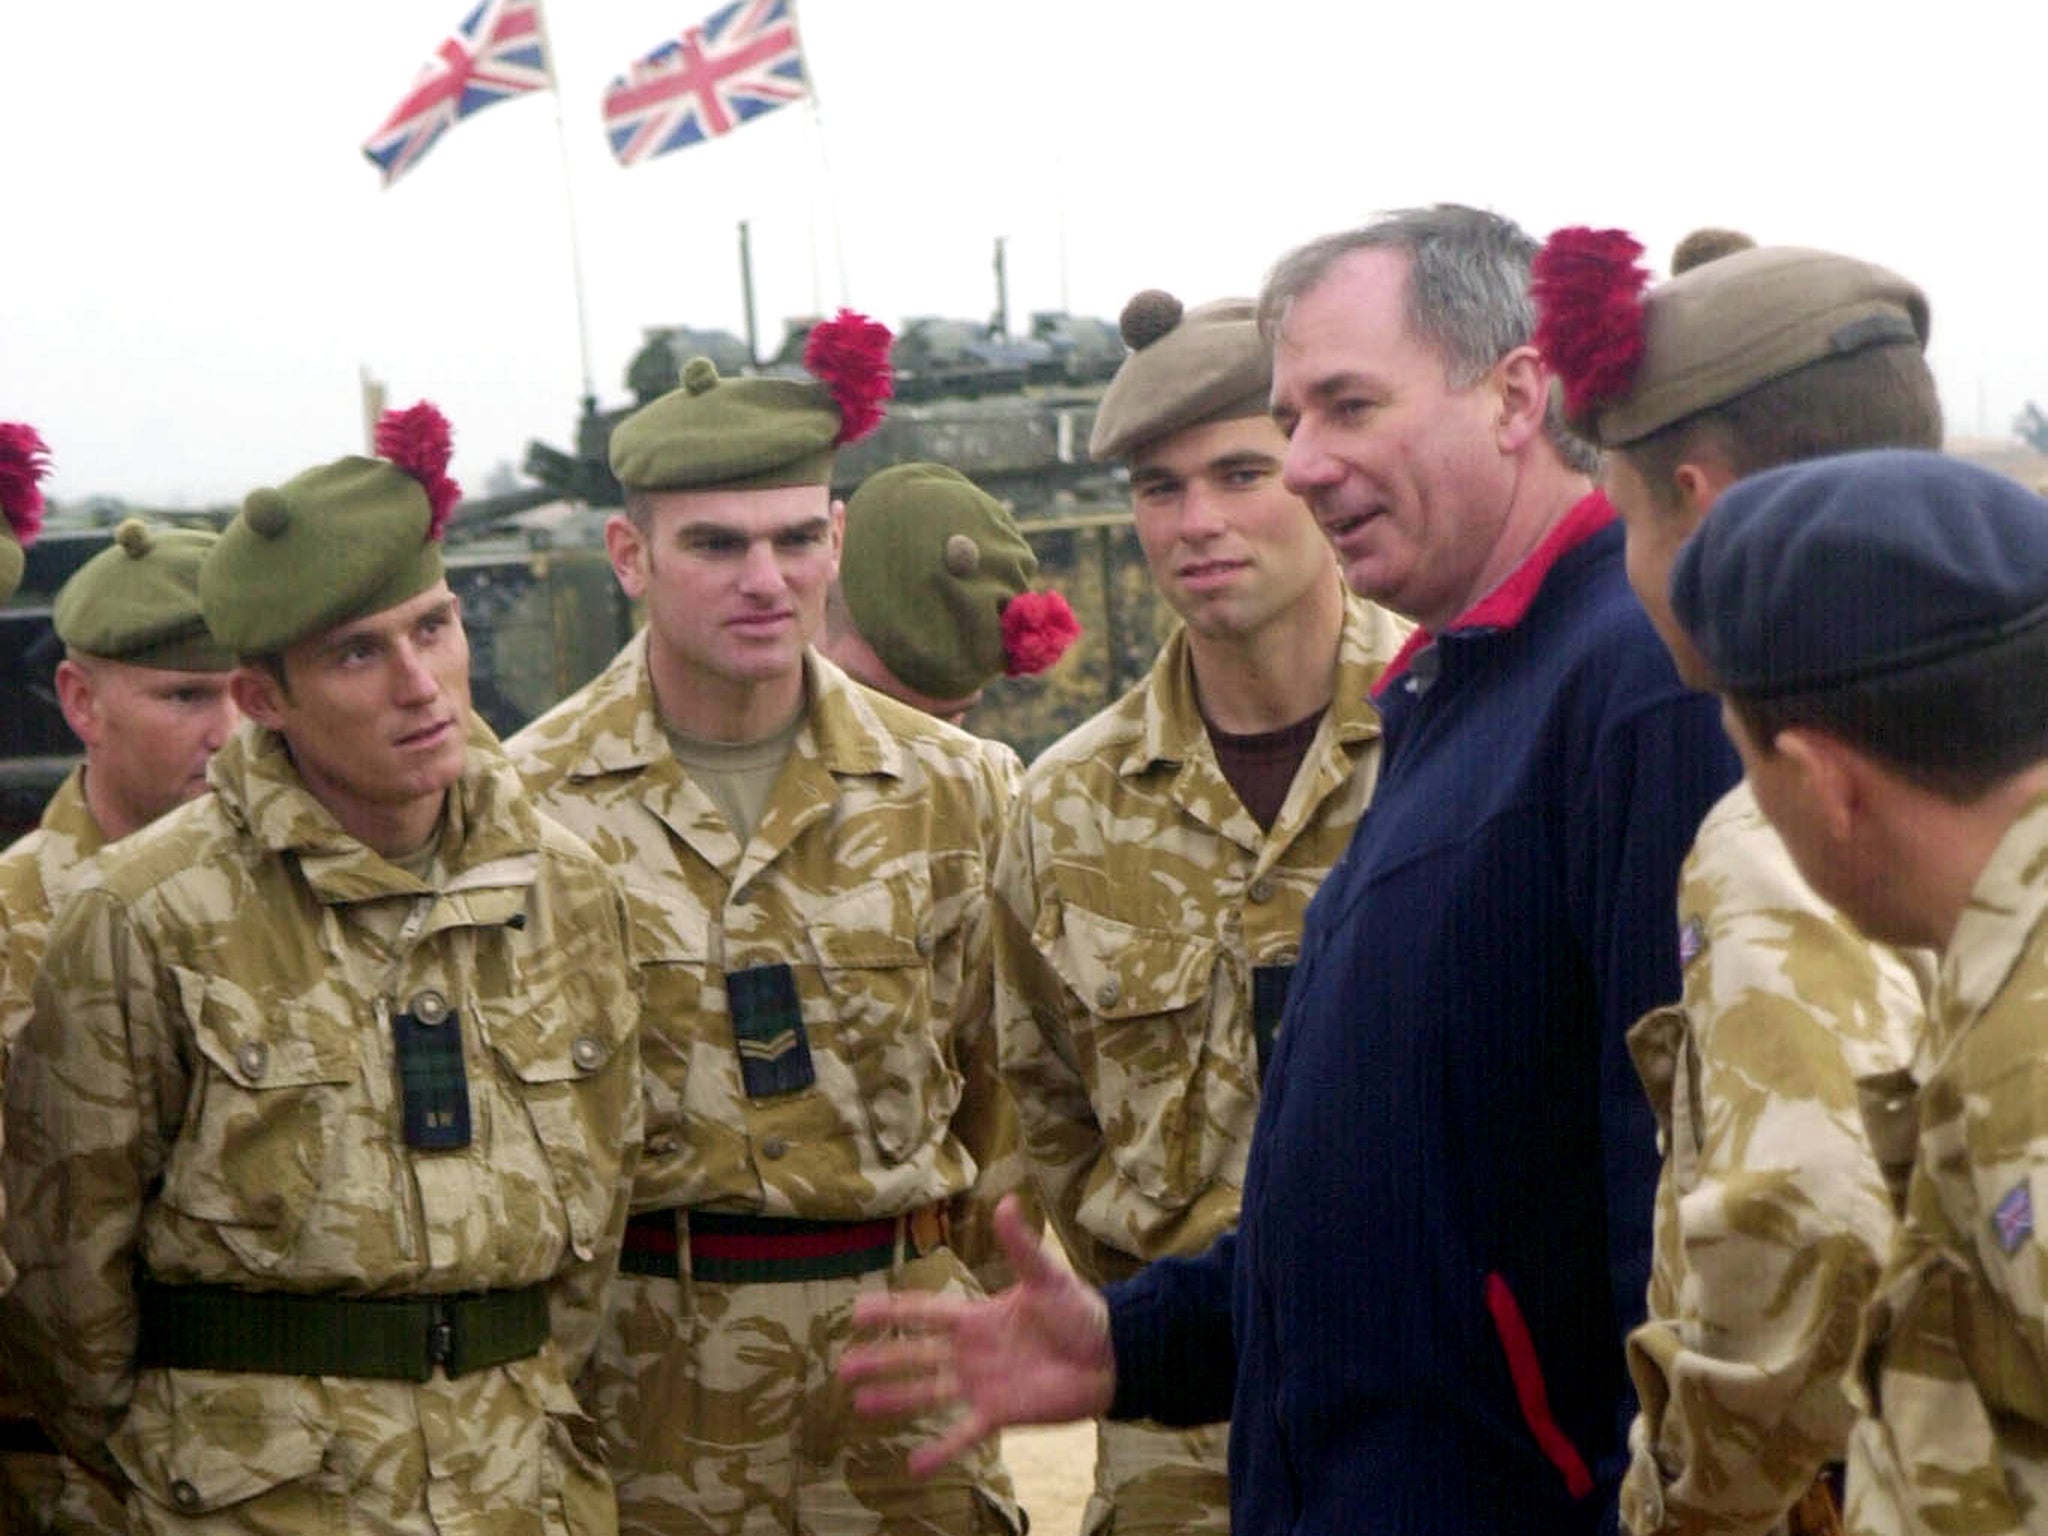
(1261, 767)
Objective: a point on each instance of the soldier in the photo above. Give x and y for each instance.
(321, 1132)
(934, 598)
(1155, 872)
(1878, 623)
(807, 863)
(1772, 1214)
(145, 688)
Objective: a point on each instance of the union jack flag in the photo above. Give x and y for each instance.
(743, 61)
(498, 51)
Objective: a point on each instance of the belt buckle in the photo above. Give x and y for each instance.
(441, 1340)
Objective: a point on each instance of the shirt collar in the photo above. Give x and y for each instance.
(1508, 603)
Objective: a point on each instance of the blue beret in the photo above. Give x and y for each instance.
(1838, 570)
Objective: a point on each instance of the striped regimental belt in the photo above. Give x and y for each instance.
(729, 1249)
(392, 1338)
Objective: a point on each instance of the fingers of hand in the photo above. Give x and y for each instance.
(1020, 1245)
(905, 1394)
(970, 1431)
(908, 1311)
(915, 1355)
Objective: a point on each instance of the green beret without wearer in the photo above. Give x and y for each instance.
(930, 562)
(138, 601)
(1185, 369)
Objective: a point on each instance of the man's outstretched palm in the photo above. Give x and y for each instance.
(1036, 1354)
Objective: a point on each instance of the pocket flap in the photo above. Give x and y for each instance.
(261, 1044)
(1120, 972)
(215, 1452)
(876, 925)
(557, 1046)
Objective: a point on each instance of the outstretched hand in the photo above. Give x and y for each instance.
(1038, 1353)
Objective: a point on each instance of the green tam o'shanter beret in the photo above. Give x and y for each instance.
(137, 601)
(339, 541)
(937, 578)
(24, 460)
(1631, 364)
(1186, 368)
(757, 433)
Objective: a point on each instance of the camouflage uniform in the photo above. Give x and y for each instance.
(867, 879)
(1954, 1364)
(1772, 1216)
(36, 874)
(1137, 900)
(206, 1095)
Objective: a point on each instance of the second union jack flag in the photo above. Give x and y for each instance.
(498, 51)
(743, 61)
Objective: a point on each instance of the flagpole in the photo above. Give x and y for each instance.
(569, 206)
(824, 157)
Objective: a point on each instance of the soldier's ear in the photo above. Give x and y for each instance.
(625, 541)
(259, 694)
(1699, 481)
(1834, 790)
(76, 698)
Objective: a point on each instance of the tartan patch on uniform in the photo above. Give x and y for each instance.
(433, 1087)
(2012, 1219)
(768, 1031)
(1692, 939)
(1269, 1001)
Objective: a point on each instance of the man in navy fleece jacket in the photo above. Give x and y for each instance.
(1418, 1327)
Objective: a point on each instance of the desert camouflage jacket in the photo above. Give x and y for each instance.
(863, 892)
(1953, 1374)
(1137, 901)
(36, 874)
(206, 1093)
(1772, 1216)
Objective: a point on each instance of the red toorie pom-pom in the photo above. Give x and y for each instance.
(24, 459)
(1589, 314)
(849, 355)
(418, 440)
(1037, 629)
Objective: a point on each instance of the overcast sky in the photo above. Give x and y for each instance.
(197, 261)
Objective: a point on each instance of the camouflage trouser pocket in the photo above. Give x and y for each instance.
(202, 1461)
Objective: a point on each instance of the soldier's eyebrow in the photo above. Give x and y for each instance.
(1243, 458)
(1149, 474)
(354, 634)
(708, 532)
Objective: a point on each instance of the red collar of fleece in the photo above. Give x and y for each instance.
(1508, 604)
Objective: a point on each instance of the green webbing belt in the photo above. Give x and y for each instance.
(390, 1338)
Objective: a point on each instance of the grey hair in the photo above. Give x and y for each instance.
(1468, 295)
